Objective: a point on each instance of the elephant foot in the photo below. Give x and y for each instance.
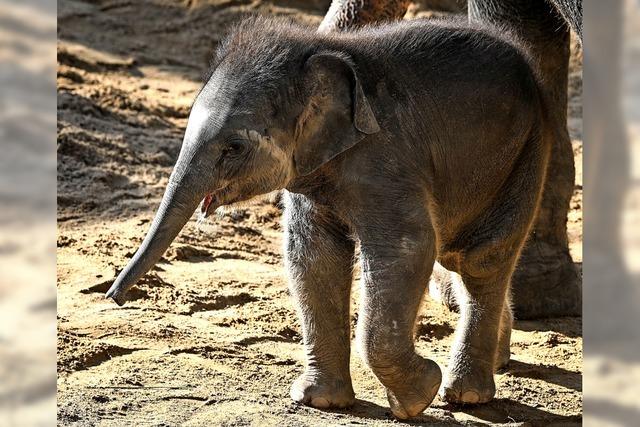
(318, 392)
(546, 283)
(417, 391)
(475, 386)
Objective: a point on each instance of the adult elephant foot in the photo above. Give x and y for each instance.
(546, 283)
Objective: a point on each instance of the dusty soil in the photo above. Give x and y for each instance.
(211, 337)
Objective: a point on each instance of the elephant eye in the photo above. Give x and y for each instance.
(235, 146)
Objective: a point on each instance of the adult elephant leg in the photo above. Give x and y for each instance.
(546, 282)
(345, 14)
(319, 262)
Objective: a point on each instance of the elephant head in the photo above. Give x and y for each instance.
(263, 118)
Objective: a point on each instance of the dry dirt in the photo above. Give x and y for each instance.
(211, 337)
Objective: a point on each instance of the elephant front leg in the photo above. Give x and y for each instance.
(395, 275)
(319, 262)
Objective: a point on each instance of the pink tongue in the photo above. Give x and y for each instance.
(206, 202)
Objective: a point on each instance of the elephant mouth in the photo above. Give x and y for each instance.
(206, 204)
(214, 200)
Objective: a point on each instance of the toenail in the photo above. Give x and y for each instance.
(319, 402)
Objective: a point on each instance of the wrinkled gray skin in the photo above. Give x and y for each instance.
(410, 139)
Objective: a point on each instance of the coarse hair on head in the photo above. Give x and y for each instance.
(259, 46)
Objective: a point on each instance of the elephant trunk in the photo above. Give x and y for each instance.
(181, 198)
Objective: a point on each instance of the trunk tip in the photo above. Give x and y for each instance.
(116, 295)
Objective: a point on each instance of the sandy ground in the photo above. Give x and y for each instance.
(211, 336)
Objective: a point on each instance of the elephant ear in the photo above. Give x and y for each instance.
(336, 115)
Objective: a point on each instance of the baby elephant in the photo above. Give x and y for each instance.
(421, 141)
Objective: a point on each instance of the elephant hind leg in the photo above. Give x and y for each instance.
(475, 354)
(446, 286)
(484, 330)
